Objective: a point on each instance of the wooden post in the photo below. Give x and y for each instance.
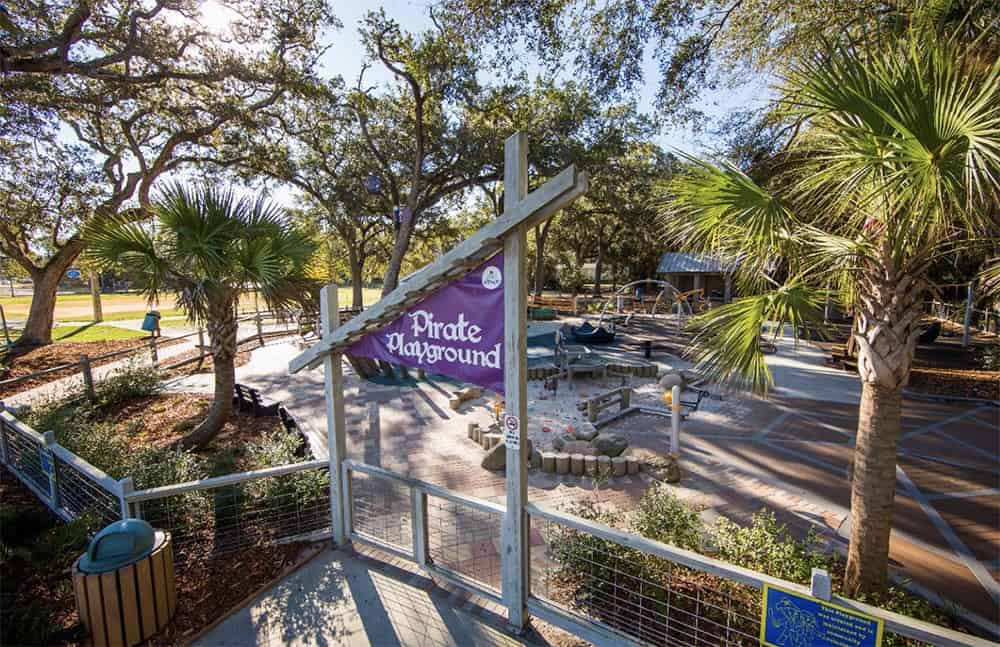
(514, 534)
(95, 297)
(3, 319)
(50, 439)
(675, 420)
(88, 376)
(126, 487)
(968, 316)
(727, 296)
(201, 346)
(819, 586)
(152, 352)
(418, 521)
(336, 433)
(3, 435)
(260, 331)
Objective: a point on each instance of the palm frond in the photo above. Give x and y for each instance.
(727, 342)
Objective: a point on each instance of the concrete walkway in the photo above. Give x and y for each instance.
(356, 600)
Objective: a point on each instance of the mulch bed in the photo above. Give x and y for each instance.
(52, 355)
(207, 366)
(954, 382)
(159, 420)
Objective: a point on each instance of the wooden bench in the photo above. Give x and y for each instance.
(595, 405)
(288, 422)
(568, 305)
(250, 399)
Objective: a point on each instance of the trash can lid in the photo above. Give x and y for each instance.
(117, 545)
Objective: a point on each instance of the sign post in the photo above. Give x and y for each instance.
(514, 539)
(791, 619)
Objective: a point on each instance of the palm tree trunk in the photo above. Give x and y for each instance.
(873, 488)
(887, 327)
(222, 329)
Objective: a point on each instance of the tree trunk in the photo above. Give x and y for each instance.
(541, 234)
(222, 330)
(95, 297)
(886, 334)
(38, 328)
(873, 488)
(399, 249)
(357, 279)
(598, 267)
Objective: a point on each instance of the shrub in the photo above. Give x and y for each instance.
(663, 517)
(132, 380)
(989, 358)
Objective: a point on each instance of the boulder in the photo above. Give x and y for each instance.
(670, 380)
(470, 393)
(579, 447)
(609, 444)
(587, 432)
(560, 441)
(535, 459)
(496, 458)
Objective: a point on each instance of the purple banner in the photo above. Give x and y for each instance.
(457, 331)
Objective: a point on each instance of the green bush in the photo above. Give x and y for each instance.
(767, 546)
(132, 380)
(663, 517)
(989, 357)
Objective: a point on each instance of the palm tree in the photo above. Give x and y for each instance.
(209, 249)
(896, 165)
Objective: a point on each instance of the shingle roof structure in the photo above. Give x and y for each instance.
(693, 263)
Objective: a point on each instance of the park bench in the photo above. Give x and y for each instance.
(622, 397)
(250, 399)
(568, 305)
(289, 424)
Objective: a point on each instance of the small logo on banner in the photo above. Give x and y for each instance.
(511, 431)
(492, 277)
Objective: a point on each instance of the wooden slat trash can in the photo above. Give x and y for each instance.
(123, 598)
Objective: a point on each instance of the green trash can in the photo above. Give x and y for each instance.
(124, 583)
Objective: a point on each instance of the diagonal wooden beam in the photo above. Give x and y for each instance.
(538, 206)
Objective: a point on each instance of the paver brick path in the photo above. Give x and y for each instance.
(787, 453)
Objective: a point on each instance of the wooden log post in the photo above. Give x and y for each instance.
(967, 321)
(336, 431)
(201, 347)
(153, 355)
(514, 534)
(88, 376)
(260, 330)
(675, 421)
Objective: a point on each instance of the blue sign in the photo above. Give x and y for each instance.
(45, 458)
(789, 619)
(73, 274)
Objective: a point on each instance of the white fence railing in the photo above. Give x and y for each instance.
(70, 486)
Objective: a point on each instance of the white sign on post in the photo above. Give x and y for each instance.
(511, 431)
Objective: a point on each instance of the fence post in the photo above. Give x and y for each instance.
(53, 473)
(88, 376)
(675, 420)
(3, 436)
(819, 586)
(125, 487)
(260, 331)
(201, 346)
(152, 353)
(336, 429)
(418, 506)
(968, 317)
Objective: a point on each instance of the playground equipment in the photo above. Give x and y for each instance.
(668, 300)
(588, 334)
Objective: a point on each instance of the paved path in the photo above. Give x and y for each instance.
(353, 600)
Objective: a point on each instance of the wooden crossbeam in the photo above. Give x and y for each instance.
(538, 206)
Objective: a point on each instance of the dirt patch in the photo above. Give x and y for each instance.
(207, 365)
(961, 383)
(46, 357)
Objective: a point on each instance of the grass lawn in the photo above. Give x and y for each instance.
(117, 307)
(94, 332)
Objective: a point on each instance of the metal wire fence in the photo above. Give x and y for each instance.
(464, 540)
(80, 495)
(229, 513)
(22, 452)
(650, 599)
(382, 511)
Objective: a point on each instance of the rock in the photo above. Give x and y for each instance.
(470, 393)
(666, 468)
(579, 447)
(587, 432)
(604, 465)
(609, 444)
(496, 458)
(670, 380)
(672, 472)
(560, 441)
(632, 465)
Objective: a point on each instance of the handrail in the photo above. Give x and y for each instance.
(222, 481)
(895, 622)
(432, 490)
